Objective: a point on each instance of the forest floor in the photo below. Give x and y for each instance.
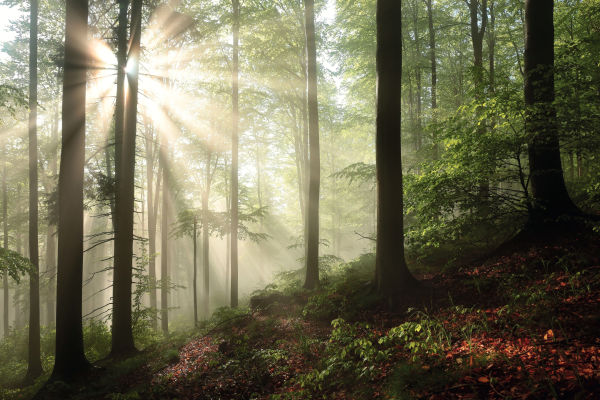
(519, 326)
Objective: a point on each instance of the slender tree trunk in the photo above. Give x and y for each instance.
(432, 57)
(206, 239)
(34, 364)
(122, 332)
(164, 251)
(151, 223)
(70, 359)
(51, 238)
(234, 164)
(550, 196)
(312, 237)
(195, 279)
(392, 276)
(5, 245)
(477, 35)
(492, 48)
(418, 79)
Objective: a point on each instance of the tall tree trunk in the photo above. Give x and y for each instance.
(206, 239)
(151, 221)
(234, 161)
(34, 363)
(51, 237)
(195, 279)
(492, 48)
(122, 330)
(477, 35)
(392, 276)
(418, 79)
(312, 220)
(550, 196)
(70, 359)
(119, 108)
(164, 242)
(432, 57)
(5, 245)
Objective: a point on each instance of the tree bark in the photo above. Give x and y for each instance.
(432, 57)
(164, 250)
(51, 236)
(206, 238)
(392, 276)
(418, 79)
(234, 160)
(195, 279)
(312, 220)
(151, 222)
(70, 359)
(477, 35)
(122, 330)
(34, 363)
(550, 196)
(5, 245)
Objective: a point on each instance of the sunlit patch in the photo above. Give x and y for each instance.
(102, 56)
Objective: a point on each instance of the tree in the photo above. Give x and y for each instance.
(70, 360)
(433, 61)
(5, 244)
(152, 202)
(122, 332)
(234, 155)
(550, 196)
(164, 246)
(34, 365)
(391, 273)
(312, 217)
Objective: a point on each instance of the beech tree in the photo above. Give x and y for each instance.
(70, 360)
(314, 164)
(122, 331)
(34, 365)
(392, 276)
(550, 196)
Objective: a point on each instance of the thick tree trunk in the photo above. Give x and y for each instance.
(392, 276)
(122, 332)
(312, 218)
(550, 196)
(70, 359)
(234, 161)
(34, 363)
(119, 105)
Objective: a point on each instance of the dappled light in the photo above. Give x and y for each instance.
(340, 199)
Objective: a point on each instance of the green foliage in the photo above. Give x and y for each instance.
(350, 356)
(14, 264)
(96, 340)
(11, 100)
(423, 336)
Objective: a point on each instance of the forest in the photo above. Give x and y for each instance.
(300, 199)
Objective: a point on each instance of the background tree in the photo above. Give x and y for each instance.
(34, 368)
(314, 181)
